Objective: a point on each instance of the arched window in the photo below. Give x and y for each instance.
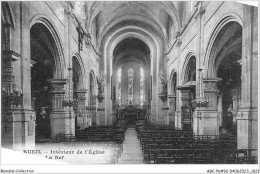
(141, 86)
(119, 76)
(130, 86)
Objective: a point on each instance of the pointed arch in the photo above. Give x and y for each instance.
(79, 67)
(210, 51)
(59, 55)
(185, 68)
(7, 14)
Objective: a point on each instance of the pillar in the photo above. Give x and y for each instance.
(18, 118)
(236, 103)
(207, 118)
(62, 118)
(172, 108)
(247, 118)
(185, 99)
(81, 114)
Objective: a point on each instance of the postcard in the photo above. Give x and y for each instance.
(129, 87)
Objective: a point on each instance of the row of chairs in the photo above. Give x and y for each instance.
(167, 146)
(103, 133)
(199, 156)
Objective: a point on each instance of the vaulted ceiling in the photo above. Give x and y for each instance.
(140, 31)
(163, 17)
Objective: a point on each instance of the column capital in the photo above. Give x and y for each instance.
(212, 79)
(58, 85)
(185, 92)
(171, 98)
(81, 94)
(82, 91)
(11, 54)
(211, 85)
(211, 92)
(58, 81)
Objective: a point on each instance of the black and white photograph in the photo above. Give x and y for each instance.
(129, 86)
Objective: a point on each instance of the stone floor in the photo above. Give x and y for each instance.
(132, 153)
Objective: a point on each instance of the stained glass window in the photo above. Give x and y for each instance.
(141, 86)
(130, 86)
(119, 75)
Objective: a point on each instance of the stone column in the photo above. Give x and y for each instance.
(81, 113)
(62, 119)
(106, 118)
(18, 121)
(185, 99)
(154, 102)
(208, 121)
(236, 97)
(18, 118)
(172, 108)
(247, 118)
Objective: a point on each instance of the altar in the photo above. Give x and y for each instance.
(131, 113)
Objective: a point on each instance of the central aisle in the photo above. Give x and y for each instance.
(132, 153)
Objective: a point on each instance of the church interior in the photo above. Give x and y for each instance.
(145, 82)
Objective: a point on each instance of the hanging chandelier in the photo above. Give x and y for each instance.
(200, 101)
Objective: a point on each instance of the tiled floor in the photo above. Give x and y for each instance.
(132, 153)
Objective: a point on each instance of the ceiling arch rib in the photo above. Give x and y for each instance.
(131, 44)
(169, 8)
(97, 7)
(138, 54)
(159, 28)
(135, 20)
(126, 61)
(127, 32)
(114, 38)
(134, 27)
(124, 7)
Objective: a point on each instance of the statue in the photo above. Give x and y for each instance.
(163, 94)
(101, 84)
(164, 82)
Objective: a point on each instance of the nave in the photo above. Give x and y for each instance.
(146, 81)
(132, 153)
(144, 143)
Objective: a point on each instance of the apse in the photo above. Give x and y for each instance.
(132, 67)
